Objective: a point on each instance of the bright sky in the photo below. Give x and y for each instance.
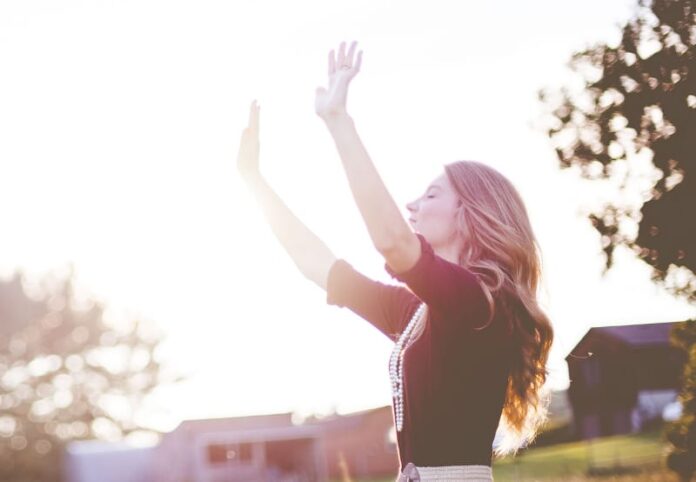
(119, 125)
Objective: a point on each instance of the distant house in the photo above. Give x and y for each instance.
(621, 377)
(269, 448)
(364, 442)
(256, 448)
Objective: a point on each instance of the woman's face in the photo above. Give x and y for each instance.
(433, 214)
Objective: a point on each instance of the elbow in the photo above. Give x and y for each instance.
(386, 248)
(393, 243)
(402, 253)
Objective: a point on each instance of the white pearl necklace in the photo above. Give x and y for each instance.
(396, 367)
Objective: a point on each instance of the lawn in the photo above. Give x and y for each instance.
(624, 458)
(611, 458)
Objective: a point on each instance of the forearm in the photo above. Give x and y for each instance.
(309, 253)
(380, 213)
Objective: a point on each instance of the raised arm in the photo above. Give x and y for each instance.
(390, 233)
(308, 252)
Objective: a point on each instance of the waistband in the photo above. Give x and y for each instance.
(469, 473)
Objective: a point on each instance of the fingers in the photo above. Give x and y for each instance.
(332, 63)
(344, 60)
(254, 116)
(358, 62)
(349, 57)
(341, 55)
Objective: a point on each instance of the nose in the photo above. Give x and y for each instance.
(412, 206)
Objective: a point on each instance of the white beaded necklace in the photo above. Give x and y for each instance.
(396, 367)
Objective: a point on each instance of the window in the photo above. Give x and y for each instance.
(225, 453)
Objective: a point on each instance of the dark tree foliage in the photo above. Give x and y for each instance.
(682, 433)
(639, 99)
(66, 375)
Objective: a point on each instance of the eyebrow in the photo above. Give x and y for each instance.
(435, 186)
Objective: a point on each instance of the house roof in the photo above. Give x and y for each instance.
(648, 334)
(274, 420)
(631, 336)
(346, 420)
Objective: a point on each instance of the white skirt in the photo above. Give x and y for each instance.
(469, 473)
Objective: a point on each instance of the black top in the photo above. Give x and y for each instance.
(454, 376)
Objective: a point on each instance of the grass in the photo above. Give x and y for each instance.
(609, 458)
(625, 458)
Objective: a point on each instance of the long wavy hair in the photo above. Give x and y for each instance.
(501, 249)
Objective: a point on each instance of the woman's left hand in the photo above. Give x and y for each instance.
(332, 102)
(248, 156)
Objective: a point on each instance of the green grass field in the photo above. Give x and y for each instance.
(626, 458)
(608, 458)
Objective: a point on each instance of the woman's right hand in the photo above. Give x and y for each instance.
(330, 103)
(248, 157)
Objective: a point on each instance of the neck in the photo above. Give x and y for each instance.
(449, 252)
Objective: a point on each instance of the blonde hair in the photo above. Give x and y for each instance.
(501, 249)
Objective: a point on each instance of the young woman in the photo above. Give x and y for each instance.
(471, 342)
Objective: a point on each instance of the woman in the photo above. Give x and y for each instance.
(471, 341)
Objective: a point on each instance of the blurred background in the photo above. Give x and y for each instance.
(143, 297)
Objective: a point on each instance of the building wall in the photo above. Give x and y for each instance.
(216, 451)
(366, 448)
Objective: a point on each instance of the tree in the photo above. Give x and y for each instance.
(682, 433)
(637, 106)
(66, 374)
(637, 102)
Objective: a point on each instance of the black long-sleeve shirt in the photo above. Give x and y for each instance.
(455, 377)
